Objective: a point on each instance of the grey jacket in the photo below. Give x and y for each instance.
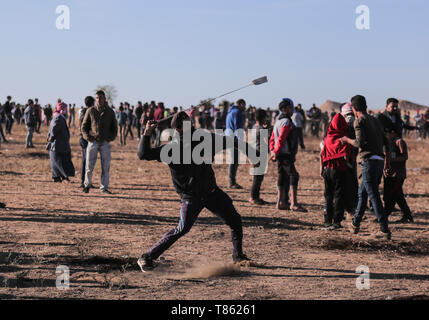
(59, 135)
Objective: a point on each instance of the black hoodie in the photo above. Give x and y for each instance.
(191, 181)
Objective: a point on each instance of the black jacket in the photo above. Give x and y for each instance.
(386, 120)
(191, 181)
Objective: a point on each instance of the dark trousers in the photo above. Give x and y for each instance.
(9, 123)
(83, 144)
(139, 129)
(335, 182)
(393, 193)
(38, 124)
(233, 167)
(130, 131)
(300, 138)
(352, 187)
(256, 186)
(287, 174)
(220, 204)
(2, 136)
(157, 137)
(372, 172)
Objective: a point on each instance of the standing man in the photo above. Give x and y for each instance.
(38, 114)
(298, 121)
(394, 178)
(235, 127)
(89, 103)
(8, 113)
(392, 117)
(157, 116)
(284, 147)
(426, 124)
(30, 123)
(370, 140)
(99, 128)
(419, 123)
(139, 113)
(130, 121)
(2, 115)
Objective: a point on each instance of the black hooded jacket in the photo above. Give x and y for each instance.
(191, 181)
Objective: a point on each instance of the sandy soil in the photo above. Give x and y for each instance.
(99, 237)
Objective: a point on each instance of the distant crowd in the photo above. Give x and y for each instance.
(353, 135)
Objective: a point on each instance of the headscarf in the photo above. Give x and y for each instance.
(61, 109)
(333, 148)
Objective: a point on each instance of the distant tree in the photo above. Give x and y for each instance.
(110, 91)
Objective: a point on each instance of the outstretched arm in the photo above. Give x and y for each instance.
(146, 152)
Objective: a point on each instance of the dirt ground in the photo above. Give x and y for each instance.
(99, 237)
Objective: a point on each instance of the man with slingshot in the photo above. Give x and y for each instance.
(196, 185)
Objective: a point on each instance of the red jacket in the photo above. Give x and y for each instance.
(332, 148)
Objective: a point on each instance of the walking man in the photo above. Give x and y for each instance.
(99, 128)
(370, 140)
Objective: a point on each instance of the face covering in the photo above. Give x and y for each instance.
(350, 119)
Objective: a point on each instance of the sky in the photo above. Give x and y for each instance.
(181, 52)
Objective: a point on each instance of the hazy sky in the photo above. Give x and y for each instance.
(183, 51)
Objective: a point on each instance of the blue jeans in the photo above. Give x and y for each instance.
(372, 172)
(218, 203)
(29, 138)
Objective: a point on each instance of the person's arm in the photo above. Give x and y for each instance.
(55, 128)
(404, 152)
(321, 162)
(86, 127)
(145, 151)
(114, 127)
(284, 133)
(359, 134)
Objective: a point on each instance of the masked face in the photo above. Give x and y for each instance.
(350, 119)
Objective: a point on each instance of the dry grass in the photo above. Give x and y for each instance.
(99, 237)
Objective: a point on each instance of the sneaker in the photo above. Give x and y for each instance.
(57, 179)
(235, 186)
(240, 258)
(105, 191)
(86, 190)
(354, 229)
(145, 263)
(383, 235)
(2, 205)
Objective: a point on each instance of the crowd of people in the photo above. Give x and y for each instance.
(351, 137)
